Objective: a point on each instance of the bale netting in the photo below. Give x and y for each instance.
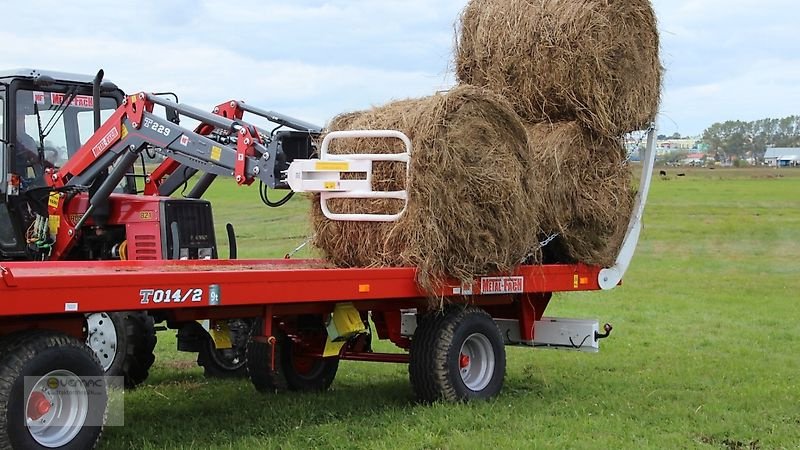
(589, 195)
(473, 209)
(592, 60)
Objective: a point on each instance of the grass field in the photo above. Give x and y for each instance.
(705, 352)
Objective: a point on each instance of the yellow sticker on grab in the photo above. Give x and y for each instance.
(335, 166)
(53, 224)
(216, 153)
(330, 185)
(52, 201)
(124, 132)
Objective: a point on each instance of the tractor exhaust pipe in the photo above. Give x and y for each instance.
(96, 98)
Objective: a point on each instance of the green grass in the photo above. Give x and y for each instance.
(261, 232)
(705, 352)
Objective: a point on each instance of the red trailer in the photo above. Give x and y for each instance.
(454, 354)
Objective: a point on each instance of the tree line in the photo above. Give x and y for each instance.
(742, 139)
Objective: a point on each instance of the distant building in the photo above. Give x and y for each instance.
(667, 146)
(693, 159)
(679, 144)
(782, 157)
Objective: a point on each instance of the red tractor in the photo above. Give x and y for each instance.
(48, 118)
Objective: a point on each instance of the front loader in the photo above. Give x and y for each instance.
(47, 116)
(54, 168)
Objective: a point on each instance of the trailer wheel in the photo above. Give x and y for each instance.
(457, 355)
(306, 373)
(43, 402)
(258, 358)
(124, 342)
(291, 372)
(226, 362)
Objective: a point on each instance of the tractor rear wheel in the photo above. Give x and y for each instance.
(457, 355)
(105, 336)
(48, 394)
(124, 342)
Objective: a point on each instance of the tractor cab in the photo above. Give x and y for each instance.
(45, 117)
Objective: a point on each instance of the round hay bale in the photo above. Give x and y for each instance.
(472, 208)
(588, 198)
(592, 60)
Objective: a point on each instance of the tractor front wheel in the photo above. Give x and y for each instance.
(227, 362)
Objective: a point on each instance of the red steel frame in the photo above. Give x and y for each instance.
(285, 284)
(229, 110)
(57, 294)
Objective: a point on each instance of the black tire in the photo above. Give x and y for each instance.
(435, 356)
(140, 344)
(259, 358)
(316, 376)
(306, 374)
(36, 354)
(227, 362)
(136, 342)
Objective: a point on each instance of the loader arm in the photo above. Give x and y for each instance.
(170, 175)
(134, 127)
(221, 146)
(106, 157)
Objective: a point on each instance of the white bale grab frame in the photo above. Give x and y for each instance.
(323, 175)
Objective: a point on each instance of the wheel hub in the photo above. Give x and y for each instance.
(56, 408)
(102, 338)
(476, 362)
(302, 365)
(38, 405)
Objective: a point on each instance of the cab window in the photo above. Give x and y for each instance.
(65, 122)
(86, 122)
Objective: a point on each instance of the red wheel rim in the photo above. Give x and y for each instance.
(302, 365)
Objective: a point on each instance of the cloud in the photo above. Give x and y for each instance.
(727, 61)
(262, 52)
(755, 93)
(314, 58)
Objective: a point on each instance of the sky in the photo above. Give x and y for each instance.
(724, 59)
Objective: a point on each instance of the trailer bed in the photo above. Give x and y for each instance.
(29, 288)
